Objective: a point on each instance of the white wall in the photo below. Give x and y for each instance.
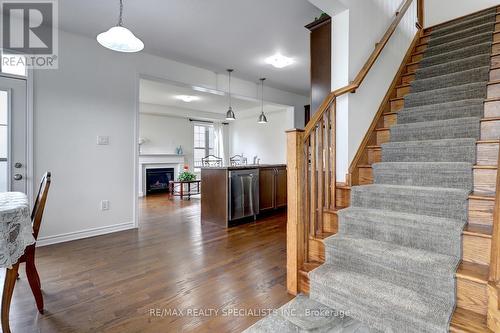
(164, 134)
(267, 141)
(357, 26)
(95, 92)
(439, 11)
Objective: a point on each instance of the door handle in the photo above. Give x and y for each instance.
(18, 176)
(18, 165)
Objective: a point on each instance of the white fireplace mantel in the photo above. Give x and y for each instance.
(157, 161)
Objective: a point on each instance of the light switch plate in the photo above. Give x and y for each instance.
(105, 205)
(103, 140)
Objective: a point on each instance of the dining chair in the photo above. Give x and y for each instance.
(238, 160)
(28, 257)
(211, 161)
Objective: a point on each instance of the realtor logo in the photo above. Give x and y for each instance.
(30, 28)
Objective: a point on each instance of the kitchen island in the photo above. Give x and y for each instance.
(235, 194)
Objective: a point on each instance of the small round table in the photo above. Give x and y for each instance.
(182, 188)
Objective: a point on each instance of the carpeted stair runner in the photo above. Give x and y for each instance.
(392, 264)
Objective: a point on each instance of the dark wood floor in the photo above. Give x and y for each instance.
(173, 262)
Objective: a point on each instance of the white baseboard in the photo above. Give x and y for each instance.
(61, 238)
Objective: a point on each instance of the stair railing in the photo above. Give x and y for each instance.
(311, 161)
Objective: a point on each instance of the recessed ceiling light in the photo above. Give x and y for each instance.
(279, 61)
(187, 98)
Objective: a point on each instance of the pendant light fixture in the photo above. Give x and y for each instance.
(230, 112)
(119, 38)
(262, 117)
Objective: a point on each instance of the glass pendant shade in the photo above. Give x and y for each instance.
(262, 118)
(230, 114)
(120, 39)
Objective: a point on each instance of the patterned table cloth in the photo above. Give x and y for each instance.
(16, 231)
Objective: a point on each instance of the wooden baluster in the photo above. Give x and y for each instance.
(333, 153)
(495, 241)
(314, 182)
(321, 176)
(295, 223)
(328, 166)
(307, 192)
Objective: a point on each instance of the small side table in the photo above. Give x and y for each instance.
(184, 188)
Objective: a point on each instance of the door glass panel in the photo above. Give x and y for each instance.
(3, 140)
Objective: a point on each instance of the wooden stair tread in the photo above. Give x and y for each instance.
(309, 266)
(487, 141)
(404, 85)
(322, 235)
(481, 197)
(479, 230)
(390, 113)
(473, 272)
(485, 167)
(382, 129)
(490, 119)
(374, 147)
(397, 99)
(466, 321)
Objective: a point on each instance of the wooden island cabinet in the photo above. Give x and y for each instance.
(221, 201)
(272, 188)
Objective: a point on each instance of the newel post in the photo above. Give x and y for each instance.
(295, 224)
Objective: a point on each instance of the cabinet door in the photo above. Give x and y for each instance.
(281, 190)
(266, 189)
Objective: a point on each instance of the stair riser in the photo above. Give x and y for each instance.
(411, 68)
(439, 286)
(382, 136)
(452, 75)
(472, 296)
(495, 61)
(471, 91)
(462, 34)
(443, 177)
(490, 17)
(453, 79)
(476, 249)
(406, 117)
(400, 92)
(408, 79)
(449, 130)
(390, 120)
(460, 44)
(487, 154)
(460, 54)
(485, 182)
(481, 212)
(436, 240)
(374, 156)
(495, 75)
(417, 57)
(417, 203)
(397, 105)
(357, 308)
(424, 153)
(490, 130)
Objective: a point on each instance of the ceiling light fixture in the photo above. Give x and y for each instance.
(262, 117)
(279, 61)
(187, 98)
(230, 112)
(119, 38)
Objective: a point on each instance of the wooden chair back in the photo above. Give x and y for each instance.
(39, 206)
(211, 160)
(238, 160)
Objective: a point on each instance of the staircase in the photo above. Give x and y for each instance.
(417, 249)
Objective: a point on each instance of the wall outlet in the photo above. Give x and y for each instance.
(105, 205)
(103, 140)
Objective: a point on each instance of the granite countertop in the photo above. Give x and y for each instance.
(243, 167)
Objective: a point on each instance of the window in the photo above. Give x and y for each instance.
(13, 64)
(203, 143)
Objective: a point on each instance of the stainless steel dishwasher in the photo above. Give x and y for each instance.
(243, 193)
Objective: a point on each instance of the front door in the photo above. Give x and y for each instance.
(13, 134)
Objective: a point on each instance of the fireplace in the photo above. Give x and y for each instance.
(157, 179)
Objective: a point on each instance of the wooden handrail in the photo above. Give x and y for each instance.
(362, 73)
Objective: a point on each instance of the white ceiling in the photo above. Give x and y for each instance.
(165, 93)
(213, 34)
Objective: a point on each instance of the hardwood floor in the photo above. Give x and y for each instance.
(113, 283)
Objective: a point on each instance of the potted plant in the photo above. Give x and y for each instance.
(186, 176)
